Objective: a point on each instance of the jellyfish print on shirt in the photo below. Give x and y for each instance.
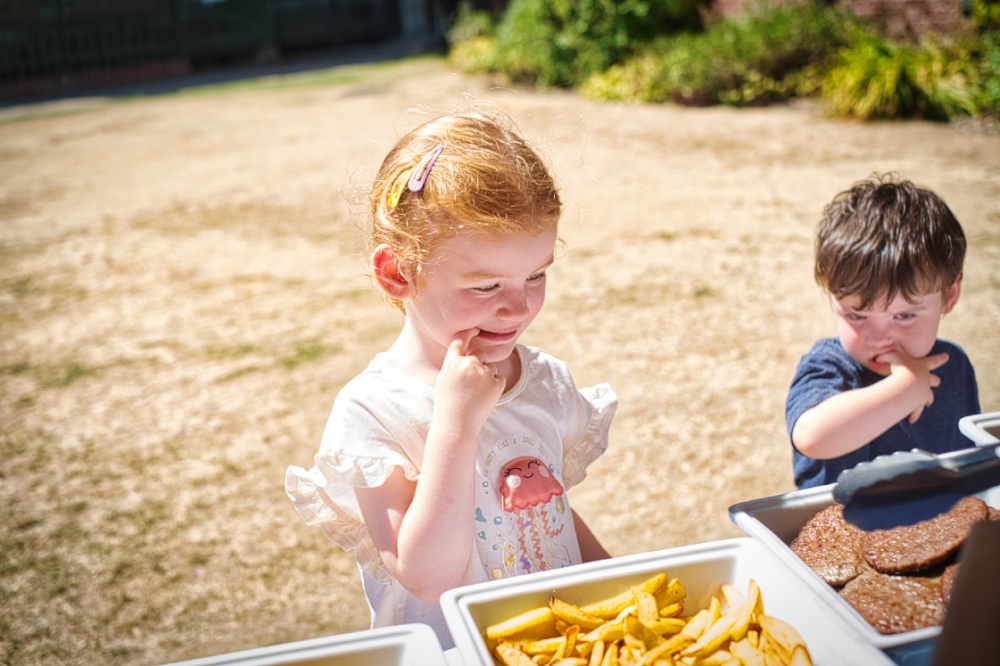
(531, 493)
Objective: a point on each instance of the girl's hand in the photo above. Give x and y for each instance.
(918, 371)
(467, 387)
(428, 545)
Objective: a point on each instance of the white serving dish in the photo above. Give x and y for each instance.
(701, 569)
(402, 645)
(981, 428)
(775, 521)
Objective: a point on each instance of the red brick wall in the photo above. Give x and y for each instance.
(909, 18)
(733, 7)
(898, 18)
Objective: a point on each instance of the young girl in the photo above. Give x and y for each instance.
(447, 461)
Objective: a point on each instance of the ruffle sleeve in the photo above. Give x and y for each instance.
(602, 402)
(324, 497)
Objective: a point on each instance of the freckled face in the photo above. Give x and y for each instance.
(495, 284)
(899, 325)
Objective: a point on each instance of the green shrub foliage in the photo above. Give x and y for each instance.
(985, 13)
(658, 51)
(878, 79)
(989, 73)
(563, 42)
(469, 23)
(474, 56)
(761, 58)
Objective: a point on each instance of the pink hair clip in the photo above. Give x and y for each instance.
(423, 169)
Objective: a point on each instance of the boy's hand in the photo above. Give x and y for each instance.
(467, 387)
(917, 371)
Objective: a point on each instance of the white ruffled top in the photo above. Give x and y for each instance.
(538, 442)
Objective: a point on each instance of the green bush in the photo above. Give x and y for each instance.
(563, 42)
(989, 73)
(766, 56)
(469, 24)
(878, 79)
(474, 56)
(773, 54)
(985, 13)
(632, 81)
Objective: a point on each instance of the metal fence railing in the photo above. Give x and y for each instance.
(53, 38)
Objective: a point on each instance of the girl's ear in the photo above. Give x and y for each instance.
(392, 275)
(951, 298)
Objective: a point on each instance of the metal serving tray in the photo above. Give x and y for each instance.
(701, 569)
(775, 521)
(402, 645)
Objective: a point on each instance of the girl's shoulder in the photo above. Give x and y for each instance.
(536, 363)
(380, 387)
(379, 373)
(537, 356)
(372, 378)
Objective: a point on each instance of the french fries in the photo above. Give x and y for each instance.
(522, 624)
(643, 627)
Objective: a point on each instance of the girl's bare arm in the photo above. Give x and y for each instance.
(590, 548)
(423, 529)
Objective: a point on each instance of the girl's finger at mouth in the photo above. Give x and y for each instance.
(464, 338)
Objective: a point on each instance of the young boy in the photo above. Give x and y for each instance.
(889, 254)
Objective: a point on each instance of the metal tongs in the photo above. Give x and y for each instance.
(908, 487)
(907, 473)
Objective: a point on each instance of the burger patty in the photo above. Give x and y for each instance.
(896, 604)
(916, 547)
(948, 581)
(830, 546)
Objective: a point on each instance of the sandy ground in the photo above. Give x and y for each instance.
(181, 302)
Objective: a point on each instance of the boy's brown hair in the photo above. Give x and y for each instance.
(885, 237)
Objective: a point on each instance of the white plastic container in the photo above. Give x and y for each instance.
(981, 428)
(701, 569)
(775, 521)
(402, 645)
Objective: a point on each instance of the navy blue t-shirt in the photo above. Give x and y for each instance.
(827, 370)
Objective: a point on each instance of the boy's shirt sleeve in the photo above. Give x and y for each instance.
(958, 394)
(823, 372)
(827, 370)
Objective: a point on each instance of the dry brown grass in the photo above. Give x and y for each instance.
(180, 304)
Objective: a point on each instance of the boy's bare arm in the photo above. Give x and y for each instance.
(847, 421)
